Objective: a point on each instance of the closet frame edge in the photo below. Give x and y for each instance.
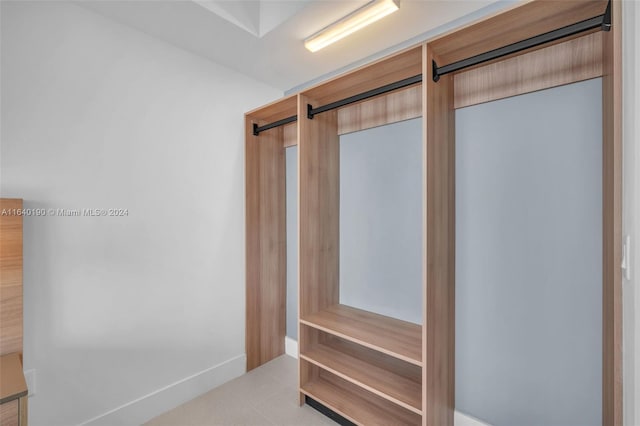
(612, 390)
(265, 239)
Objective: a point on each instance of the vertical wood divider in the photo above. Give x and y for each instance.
(612, 221)
(318, 219)
(439, 234)
(265, 245)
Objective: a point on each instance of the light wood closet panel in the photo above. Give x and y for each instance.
(319, 214)
(574, 60)
(404, 64)
(403, 104)
(349, 356)
(265, 234)
(520, 22)
(13, 388)
(11, 277)
(612, 220)
(438, 331)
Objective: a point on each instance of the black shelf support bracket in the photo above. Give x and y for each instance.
(602, 22)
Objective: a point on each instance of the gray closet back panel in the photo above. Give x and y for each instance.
(381, 220)
(529, 258)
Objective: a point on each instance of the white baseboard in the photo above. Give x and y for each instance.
(291, 347)
(159, 401)
(459, 419)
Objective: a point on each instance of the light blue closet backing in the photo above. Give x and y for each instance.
(529, 258)
(381, 220)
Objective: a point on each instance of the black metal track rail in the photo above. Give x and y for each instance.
(356, 98)
(364, 95)
(602, 21)
(257, 129)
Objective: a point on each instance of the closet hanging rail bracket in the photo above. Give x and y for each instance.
(434, 69)
(257, 129)
(606, 21)
(602, 22)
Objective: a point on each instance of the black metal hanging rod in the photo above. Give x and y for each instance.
(356, 98)
(602, 21)
(365, 95)
(257, 129)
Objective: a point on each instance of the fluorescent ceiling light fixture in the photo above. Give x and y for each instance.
(351, 23)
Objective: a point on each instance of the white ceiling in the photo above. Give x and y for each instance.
(264, 38)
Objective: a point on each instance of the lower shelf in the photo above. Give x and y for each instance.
(355, 404)
(385, 376)
(399, 339)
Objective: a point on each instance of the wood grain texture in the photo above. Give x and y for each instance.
(401, 368)
(318, 210)
(23, 410)
(399, 339)
(308, 338)
(319, 198)
(364, 368)
(290, 135)
(9, 413)
(11, 310)
(398, 66)
(403, 104)
(276, 110)
(516, 24)
(318, 221)
(574, 60)
(265, 245)
(612, 221)
(355, 404)
(439, 318)
(392, 107)
(12, 383)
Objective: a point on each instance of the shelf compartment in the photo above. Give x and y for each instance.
(399, 339)
(385, 376)
(355, 404)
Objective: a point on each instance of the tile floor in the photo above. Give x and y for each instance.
(267, 395)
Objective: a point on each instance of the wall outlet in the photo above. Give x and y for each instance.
(30, 378)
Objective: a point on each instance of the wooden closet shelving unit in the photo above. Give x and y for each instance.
(369, 368)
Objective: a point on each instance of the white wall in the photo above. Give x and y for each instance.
(631, 210)
(97, 115)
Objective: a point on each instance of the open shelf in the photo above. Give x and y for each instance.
(358, 406)
(389, 378)
(400, 339)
